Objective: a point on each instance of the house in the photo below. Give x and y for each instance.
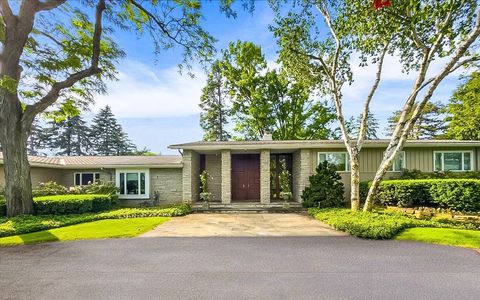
(245, 171)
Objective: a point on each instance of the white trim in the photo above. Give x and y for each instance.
(347, 159)
(81, 173)
(472, 160)
(129, 196)
(404, 164)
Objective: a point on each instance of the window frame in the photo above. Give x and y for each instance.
(472, 160)
(347, 160)
(133, 196)
(81, 174)
(404, 164)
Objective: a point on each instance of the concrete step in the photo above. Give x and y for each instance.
(254, 207)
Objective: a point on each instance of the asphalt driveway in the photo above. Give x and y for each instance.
(239, 268)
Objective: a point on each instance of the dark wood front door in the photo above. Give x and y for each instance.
(245, 177)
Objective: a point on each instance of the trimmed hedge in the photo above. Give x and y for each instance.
(457, 194)
(3, 207)
(72, 204)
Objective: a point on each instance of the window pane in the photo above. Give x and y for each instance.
(122, 183)
(467, 161)
(398, 164)
(77, 179)
(142, 183)
(438, 162)
(87, 178)
(452, 161)
(338, 159)
(132, 183)
(97, 177)
(321, 158)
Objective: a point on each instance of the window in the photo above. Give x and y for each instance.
(339, 159)
(399, 163)
(133, 183)
(453, 161)
(86, 178)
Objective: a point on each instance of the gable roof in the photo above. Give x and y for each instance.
(94, 162)
(314, 144)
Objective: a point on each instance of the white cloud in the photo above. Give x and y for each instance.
(142, 91)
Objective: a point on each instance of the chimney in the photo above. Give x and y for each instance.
(267, 137)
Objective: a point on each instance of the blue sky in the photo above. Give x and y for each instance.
(157, 106)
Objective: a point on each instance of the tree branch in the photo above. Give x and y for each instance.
(49, 4)
(32, 110)
(7, 13)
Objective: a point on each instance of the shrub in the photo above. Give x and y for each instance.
(100, 188)
(326, 189)
(49, 188)
(3, 207)
(417, 174)
(71, 204)
(458, 194)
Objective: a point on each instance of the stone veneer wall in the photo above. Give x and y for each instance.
(226, 169)
(302, 169)
(168, 182)
(213, 165)
(190, 176)
(265, 176)
(106, 175)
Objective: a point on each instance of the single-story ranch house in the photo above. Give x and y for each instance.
(243, 171)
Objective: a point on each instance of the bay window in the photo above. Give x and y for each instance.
(453, 161)
(133, 183)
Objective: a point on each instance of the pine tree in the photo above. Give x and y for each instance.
(107, 135)
(353, 127)
(215, 112)
(37, 140)
(69, 137)
(430, 125)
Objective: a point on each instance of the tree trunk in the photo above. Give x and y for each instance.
(355, 180)
(13, 138)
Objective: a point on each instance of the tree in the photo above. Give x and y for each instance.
(37, 140)
(417, 32)
(430, 125)
(353, 127)
(45, 62)
(215, 111)
(270, 101)
(464, 110)
(107, 136)
(69, 136)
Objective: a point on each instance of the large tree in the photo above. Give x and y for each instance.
(464, 110)
(266, 100)
(45, 61)
(215, 110)
(69, 136)
(430, 125)
(319, 39)
(107, 137)
(353, 125)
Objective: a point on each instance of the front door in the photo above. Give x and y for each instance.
(245, 177)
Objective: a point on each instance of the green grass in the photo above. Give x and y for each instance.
(29, 223)
(119, 228)
(444, 236)
(379, 224)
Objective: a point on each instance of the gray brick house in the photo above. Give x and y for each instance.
(243, 171)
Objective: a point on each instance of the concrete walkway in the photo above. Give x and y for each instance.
(242, 225)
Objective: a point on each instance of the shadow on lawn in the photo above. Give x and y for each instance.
(36, 237)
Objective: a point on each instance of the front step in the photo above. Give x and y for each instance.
(254, 207)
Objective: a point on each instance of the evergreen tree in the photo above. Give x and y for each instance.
(37, 140)
(215, 112)
(69, 137)
(430, 125)
(353, 126)
(464, 110)
(107, 136)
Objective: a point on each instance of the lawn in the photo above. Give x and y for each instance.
(113, 228)
(444, 236)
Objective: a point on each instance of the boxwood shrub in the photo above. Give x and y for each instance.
(457, 194)
(72, 204)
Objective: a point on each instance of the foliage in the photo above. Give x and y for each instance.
(72, 204)
(457, 194)
(353, 127)
(464, 111)
(266, 100)
(37, 140)
(205, 193)
(285, 178)
(444, 236)
(28, 223)
(107, 136)
(376, 225)
(100, 188)
(430, 125)
(49, 188)
(69, 136)
(326, 188)
(213, 102)
(92, 230)
(417, 174)
(3, 206)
